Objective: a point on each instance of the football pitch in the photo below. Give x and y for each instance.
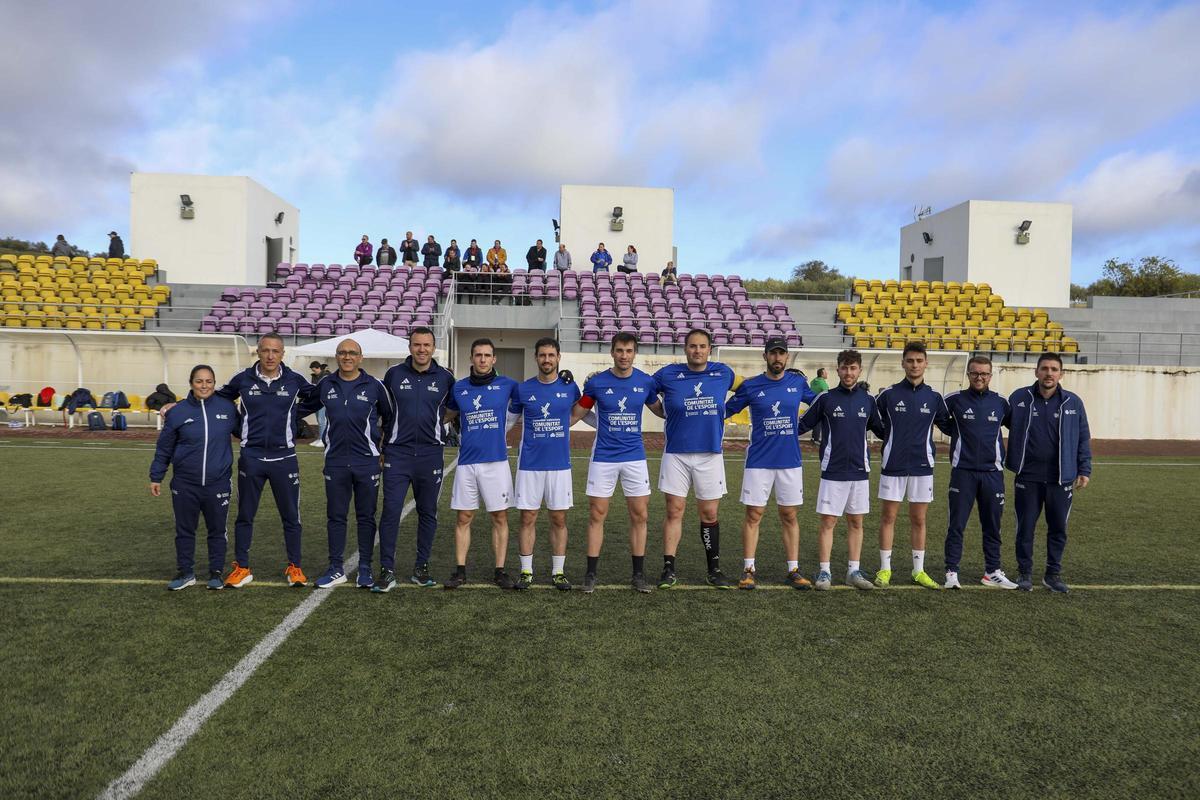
(691, 692)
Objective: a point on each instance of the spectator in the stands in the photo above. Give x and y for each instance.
(161, 395)
(562, 258)
(385, 256)
(62, 247)
(497, 256)
(116, 247)
(473, 257)
(536, 257)
(317, 371)
(629, 260)
(364, 251)
(669, 274)
(432, 252)
(601, 259)
(452, 258)
(410, 249)
(820, 383)
(80, 398)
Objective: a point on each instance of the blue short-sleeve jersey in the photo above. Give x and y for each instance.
(774, 413)
(546, 424)
(483, 410)
(694, 402)
(618, 404)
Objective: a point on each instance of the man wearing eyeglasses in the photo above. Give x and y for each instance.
(977, 415)
(357, 410)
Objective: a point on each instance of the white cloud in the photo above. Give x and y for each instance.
(1136, 192)
(72, 91)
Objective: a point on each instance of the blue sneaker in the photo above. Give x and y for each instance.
(421, 577)
(1055, 583)
(182, 581)
(332, 577)
(824, 581)
(365, 579)
(214, 580)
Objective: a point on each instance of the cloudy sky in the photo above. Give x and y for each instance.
(789, 131)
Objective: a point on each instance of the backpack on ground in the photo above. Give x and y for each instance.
(46, 397)
(119, 423)
(107, 400)
(119, 400)
(96, 421)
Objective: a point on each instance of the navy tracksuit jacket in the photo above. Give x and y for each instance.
(413, 455)
(268, 433)
(1049, 446)
(196, 441)
(844, 416)
(977, 471)
(356, 412)
(908, 413)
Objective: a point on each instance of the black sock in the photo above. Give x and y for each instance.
(710, 536)
(669, 563)
(639, 565)
(593, 562)
(499, 571)
(461, 570)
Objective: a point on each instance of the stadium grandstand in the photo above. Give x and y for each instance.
(80, 293)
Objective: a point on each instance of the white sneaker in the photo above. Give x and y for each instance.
(952, 581)
(997, 580)
(316, 443)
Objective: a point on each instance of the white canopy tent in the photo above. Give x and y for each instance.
(374, 344)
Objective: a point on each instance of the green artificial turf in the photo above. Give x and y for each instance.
(692, 693)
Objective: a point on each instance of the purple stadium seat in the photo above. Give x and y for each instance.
(304, 327)
(285, 327)
(323, 329)
(208, 325)
(227, 325)
(757, 338)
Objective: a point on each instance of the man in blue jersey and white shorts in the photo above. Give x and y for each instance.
(617, 396)
(544, 464)
(908, 411)
(844, 414)
(693, 403)
(773, 457)
(481, 401)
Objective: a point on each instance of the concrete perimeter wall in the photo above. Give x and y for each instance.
(1123, 402)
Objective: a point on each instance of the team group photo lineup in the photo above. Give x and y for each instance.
(391, 433)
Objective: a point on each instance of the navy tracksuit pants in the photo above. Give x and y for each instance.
(422, 470)
(968, 488)
(284, 477)
(342, 483)
(1031, 498)
(190, 500)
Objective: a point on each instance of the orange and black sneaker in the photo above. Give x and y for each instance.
(295, 577)
(747, 581)
(796, 580)
(238, 577)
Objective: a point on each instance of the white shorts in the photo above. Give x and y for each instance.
(787, 483)
(551, 487)
(602, 478)
(918, 488)
(704, 473)
(491, 481)
(843, 497)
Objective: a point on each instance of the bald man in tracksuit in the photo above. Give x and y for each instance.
(270, 401)
(975, 428)
(1049, 449)
(357, 410)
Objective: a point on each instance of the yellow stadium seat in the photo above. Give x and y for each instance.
(133, 324)
(862, 341)
(897, 342)
(1069, 345)
(93, 324)
(113, 326)
(879, 342)
(891, 285)
(876, 285)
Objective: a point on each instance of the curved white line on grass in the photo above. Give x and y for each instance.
(170, 743)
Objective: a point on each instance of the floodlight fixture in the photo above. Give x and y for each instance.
(279, 218)
(185, 200)
(1025, 226)
(927, 237)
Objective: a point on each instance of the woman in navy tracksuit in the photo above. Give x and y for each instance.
(197, 439)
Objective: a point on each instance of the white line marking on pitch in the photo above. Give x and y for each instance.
(170, 743)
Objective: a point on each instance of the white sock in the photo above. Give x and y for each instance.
(527, 563)
(825, 567)
(793, 565)
(556, 564)
(918, 561)
(885, 559)
(854, 565)
(747, 563)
